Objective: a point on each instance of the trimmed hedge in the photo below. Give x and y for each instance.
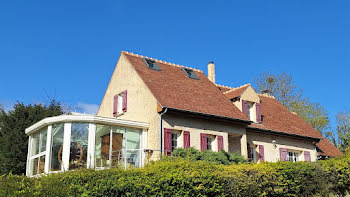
(176, 176)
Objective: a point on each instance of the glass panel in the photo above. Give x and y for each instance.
(43, 140)
(118, 145)
(35, 144)
(102, 144)
(78, 145)
(57, 146)
(133, 137)
(133, 142)
(35, 166)
(42, 164)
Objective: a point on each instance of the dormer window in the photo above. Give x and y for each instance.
(190, 73)
(250, 110)
(151, 64)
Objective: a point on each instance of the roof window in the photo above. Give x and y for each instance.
(190, 73)
(152, 64)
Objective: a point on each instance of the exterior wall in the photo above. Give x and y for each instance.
(197, 126)
(272, 153)
(141, 104)
(249, 95)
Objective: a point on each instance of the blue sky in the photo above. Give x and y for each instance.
(68, 49)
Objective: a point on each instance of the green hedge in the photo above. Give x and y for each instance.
(184, 177)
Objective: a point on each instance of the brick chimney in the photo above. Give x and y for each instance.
(211, 71)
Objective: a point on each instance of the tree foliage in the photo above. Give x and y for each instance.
(283, 88)
(342, 140)
(13, 140)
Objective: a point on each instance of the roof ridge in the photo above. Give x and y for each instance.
(223, 86)
(233, 89)
(161, 61)
(266, 95)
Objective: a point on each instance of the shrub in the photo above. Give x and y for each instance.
(222, 157)
(176, 176)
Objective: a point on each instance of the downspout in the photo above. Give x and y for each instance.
(164, 110)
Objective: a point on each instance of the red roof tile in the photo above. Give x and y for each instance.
(173, 89)
(277, 117)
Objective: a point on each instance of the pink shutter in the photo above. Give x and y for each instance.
(167, 141)
(220, 143)
(203, 142)
(261, 153)
(244, 108)
(248, 151)
(307, 156)
(187, 141)
(125, 100)
(258, 112)
(115, 105)
(283, 154)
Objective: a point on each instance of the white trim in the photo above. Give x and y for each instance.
(91, 146)
(28, 169)
(48, 149)
(85, 118)
(66, 146)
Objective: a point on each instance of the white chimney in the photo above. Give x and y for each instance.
(211, 71)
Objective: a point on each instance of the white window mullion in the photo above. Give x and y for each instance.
(110, 147)
(91, 146)
(48, 149)
(29, 165)
(66, 146)
(126, 148)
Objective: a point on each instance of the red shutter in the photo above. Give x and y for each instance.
(125, 100)
(258, 112)
(187, 141)
(203, 142)
(220, 143)
(283, 154)
(167, 141)
(115, 105)
(261, 153)
(248, 151)
(244, 108)
(307, 156)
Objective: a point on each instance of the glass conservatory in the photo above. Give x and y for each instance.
(69, 142)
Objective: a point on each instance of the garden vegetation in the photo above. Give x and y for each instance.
(190, 176)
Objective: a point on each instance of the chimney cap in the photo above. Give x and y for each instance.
(211, 62)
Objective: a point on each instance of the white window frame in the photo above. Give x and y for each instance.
(211, 142)
(120, 103)
(253, 152)
(250, 109)
(295, 155)
(39, 154)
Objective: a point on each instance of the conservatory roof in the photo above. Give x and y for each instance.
(86, 119)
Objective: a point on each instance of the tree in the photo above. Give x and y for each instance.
(343, 131)
(282, 87)
(13, 140)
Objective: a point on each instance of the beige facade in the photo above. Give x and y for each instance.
(273, 143)
(197, 126)
(141, 104)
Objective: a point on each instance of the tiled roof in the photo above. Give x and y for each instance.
(277, 117)
(173, 89)
(236, 92)
(223, 88)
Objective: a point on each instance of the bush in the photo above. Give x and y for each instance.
(176, 176)
(222, 157)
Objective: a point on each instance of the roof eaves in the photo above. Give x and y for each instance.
(210, 115)
(287, 134)
(234, 89)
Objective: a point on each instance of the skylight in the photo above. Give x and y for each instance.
(190, 73)
(152, 64)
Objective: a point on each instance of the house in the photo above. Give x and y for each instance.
(151, 107)
(185, 108)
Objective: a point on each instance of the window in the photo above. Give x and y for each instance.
(190, 73)
(78, 145)
(252, 153)
(293, 156)
(174, 141)
(57, 147)
(210, 140)
(38, 147)
(120, 103)
(250, 110)
(152, 64)
(117, 146)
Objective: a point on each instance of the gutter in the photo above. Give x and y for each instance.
(164, 110)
